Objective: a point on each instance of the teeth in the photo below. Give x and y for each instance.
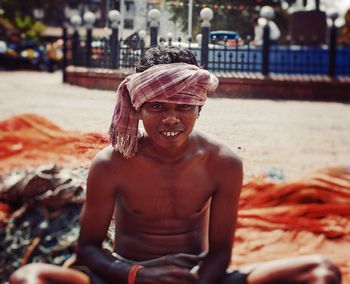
(168, 133)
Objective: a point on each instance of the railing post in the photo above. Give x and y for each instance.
(106, 48)
(332, 50)
(170, 39)
(114, 17)
(267, 13)
(64, 59)
(189, 39)
(76, 22)
(114, 42)
(75, 47)
(153, 17)
(89, 19)
(266, 49)
(142, 47)
(142, 34)
(206, 15)
(154, 35)
(88, 47)
(317, 4)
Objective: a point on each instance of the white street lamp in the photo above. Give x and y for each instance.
(153, 17)
(169, 36)
(89, 19)
(267, 12)
(206, 15)
(75, 21)
(114, 17)
(142, 34)
(38, 13)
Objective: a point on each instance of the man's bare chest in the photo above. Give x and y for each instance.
(166, 192)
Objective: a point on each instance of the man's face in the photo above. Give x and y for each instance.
(168, 124)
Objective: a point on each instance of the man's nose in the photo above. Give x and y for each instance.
(170, 118)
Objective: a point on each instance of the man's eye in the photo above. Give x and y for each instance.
(185, 107)
(157, 106)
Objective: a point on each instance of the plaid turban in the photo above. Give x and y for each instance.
(178, 83)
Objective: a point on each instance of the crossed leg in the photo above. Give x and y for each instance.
(310, 269)
(41, 273)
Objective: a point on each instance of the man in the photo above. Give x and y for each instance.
(173, 192)
(267, 14)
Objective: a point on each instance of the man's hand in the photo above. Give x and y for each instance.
(169, 274)
(183, 260)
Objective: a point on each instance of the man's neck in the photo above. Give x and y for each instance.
(151, 150)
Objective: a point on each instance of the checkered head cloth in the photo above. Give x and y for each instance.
(179, 83)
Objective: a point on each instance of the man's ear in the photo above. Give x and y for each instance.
(199, 111)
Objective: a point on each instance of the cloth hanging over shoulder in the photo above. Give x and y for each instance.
(179, 83)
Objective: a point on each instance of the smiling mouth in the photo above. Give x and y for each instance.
(170, 133)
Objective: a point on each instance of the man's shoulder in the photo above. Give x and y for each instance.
(107, 158)
(224, 165)
(218, 152)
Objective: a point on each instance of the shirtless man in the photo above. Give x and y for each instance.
(173, 192)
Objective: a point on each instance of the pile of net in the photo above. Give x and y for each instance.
(39, 216)
(40, 206)
(31, 140)
(311, 215)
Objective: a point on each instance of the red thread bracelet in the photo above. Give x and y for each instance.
(132, 273)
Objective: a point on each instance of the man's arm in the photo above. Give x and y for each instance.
(223, 215)
(95, 220)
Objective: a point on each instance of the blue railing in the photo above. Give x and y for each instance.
(281, 59)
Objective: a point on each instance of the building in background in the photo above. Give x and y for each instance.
(135, 16)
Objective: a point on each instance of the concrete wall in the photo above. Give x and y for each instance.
(236, 86)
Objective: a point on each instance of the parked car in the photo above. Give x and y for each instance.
(230, 38)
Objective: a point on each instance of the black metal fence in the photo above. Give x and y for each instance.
(109, 53)
(101, 55)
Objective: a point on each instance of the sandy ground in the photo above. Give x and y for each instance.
(298, 137)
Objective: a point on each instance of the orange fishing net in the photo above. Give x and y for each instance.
(276, 220)
(309, 216)
(30, 140)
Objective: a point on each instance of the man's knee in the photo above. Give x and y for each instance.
(324, 271)
(309, 269)
(27, 274)
(41, 273)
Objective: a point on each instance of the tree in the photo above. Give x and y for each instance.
(235, 15)
(25, 8)
(20, 14)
